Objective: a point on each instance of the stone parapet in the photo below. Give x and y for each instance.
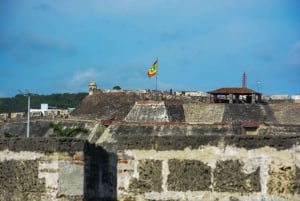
(163, 143)
(152, 162)
(56, 169)
(209, 168)
(189, 166)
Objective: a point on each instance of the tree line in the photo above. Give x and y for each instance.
(61, 101)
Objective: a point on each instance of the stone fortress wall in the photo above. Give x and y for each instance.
(134, 162)
(160, 150)
(34, 169)
(273, 118)
(205, 167)
(160, 111)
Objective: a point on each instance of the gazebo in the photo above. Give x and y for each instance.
(234, 95)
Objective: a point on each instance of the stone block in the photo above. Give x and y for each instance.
(70, 181)
(283, 179)
(188, 175)
(229, 177)
(19, 179)
(150, 177)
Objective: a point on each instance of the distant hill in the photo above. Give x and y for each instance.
(61, 101)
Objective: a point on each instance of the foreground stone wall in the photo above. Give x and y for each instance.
(156, 166)
(55, 169)
(152, 162)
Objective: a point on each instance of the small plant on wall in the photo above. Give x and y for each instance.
(9, 134)
(59, 131)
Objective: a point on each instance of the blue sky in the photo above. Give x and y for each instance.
(59, 46)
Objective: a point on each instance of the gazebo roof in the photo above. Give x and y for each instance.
(233, 90)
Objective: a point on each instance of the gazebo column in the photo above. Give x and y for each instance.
(253, 97)
(215, 97)
(230, 98)
(259, 98)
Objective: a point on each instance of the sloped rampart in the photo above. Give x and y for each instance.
(203, 112)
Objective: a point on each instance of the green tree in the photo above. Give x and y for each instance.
(59, 131)
(61, 101)
(117, 87)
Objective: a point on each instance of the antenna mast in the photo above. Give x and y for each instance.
(244, 80)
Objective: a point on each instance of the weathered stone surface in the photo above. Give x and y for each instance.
(100, 105)
(180, 142)
(150, 177)
(175, 111)
(248, 113)
(229, 177)
(56, 169)
(18, 178)
(155, 111)
(170, 129)
(285, 112)
(41, 127)
(228, 167)
(232, 198)
(188, 175)
(138, 142)
(253, 142)
(205, 113)
(47, 145)
(68, 183)
(280, 129)
(283, 179)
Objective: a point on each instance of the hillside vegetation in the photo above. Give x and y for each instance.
(61, 101)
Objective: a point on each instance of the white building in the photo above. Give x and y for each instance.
(47, 110)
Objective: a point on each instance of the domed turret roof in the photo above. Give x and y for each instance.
(92, 83)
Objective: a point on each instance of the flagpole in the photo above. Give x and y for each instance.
(156, 83)
(156, 75)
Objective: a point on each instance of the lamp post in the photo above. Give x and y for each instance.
(28, 94)
(28, 115)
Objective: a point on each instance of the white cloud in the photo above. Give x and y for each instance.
(80, 76)
(81, 79)
(34, 47)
